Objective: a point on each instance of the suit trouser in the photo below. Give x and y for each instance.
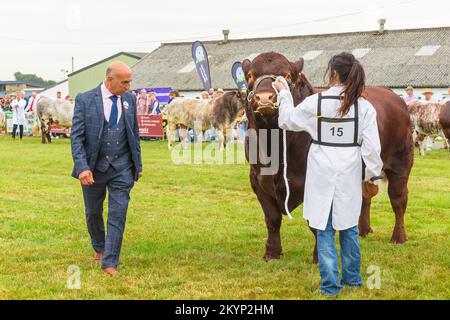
(118, 184)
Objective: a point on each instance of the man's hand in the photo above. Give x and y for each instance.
(86, 178)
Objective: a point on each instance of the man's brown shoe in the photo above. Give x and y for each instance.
(98, 256)
(111, 271)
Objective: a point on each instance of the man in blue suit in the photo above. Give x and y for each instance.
(107, 155)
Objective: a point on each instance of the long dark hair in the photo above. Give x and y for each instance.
(352, 76)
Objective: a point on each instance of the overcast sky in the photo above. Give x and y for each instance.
(41, 36)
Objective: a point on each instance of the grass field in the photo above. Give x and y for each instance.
(197, 232)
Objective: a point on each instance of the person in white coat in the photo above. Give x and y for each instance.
(19, 108)
(344, 130)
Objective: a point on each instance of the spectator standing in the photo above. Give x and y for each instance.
(205, 95)
(410, 96)
(173, 94)
(428, 96)
(19, 106)
(31, 106)
(154, 104)
(6, 103)
(142, 102)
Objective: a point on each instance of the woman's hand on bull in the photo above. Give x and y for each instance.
(279, 84)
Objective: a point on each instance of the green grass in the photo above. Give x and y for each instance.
(197, 232)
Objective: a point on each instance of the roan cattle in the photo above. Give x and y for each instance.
(53, 111)
(217, 113)
(430, 120)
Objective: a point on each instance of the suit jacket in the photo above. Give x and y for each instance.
(87, 129)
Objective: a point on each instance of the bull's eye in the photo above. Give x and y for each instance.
(288, 77)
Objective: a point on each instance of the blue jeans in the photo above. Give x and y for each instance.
(328, 259)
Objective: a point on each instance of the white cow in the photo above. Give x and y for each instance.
(53, 111)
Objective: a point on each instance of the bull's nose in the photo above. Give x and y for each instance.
(265, 97)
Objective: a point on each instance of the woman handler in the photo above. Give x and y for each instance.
(344, 129)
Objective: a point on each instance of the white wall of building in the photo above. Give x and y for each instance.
(51, 92)
(439, 93)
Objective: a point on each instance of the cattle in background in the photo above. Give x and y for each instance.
(262, 112)
(217, 113)
(430, 120)
(51, 111)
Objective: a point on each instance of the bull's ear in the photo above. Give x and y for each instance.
(299, 65)
(246, 65)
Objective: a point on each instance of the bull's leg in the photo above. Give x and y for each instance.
(273, 218)
(398, 194)
(172, 129)
(183, 134)
(421, 140)
(364, 218)
(220, 135)
(49, 136)
(43, 133)
(315, 256)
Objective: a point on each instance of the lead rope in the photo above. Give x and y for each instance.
(286, 182)
(288, 192)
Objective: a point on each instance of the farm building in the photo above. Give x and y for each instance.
(18, 85)
(50, 92)
(392, 58)
(90, 76)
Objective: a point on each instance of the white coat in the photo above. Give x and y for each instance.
(334, 174)
(19, 110)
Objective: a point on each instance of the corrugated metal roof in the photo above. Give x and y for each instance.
(391, 60)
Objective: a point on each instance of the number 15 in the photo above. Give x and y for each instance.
(339, 132)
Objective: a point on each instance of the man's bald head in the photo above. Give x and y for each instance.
(118, 77)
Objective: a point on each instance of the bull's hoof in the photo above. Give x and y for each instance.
(399, 236)
(272, 256)
(364, 231)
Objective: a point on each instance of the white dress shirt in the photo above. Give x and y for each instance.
(107, 103)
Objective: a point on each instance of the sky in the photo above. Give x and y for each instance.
(41, 37)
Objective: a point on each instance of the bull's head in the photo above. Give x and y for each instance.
(262, 98)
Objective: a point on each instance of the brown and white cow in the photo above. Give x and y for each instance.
(429, 120)
(217, 113)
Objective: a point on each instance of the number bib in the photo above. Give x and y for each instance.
(336, 132)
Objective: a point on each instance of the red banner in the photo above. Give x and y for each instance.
(150, 126)
(57, 130)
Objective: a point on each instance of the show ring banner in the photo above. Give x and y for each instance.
(150, 126)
